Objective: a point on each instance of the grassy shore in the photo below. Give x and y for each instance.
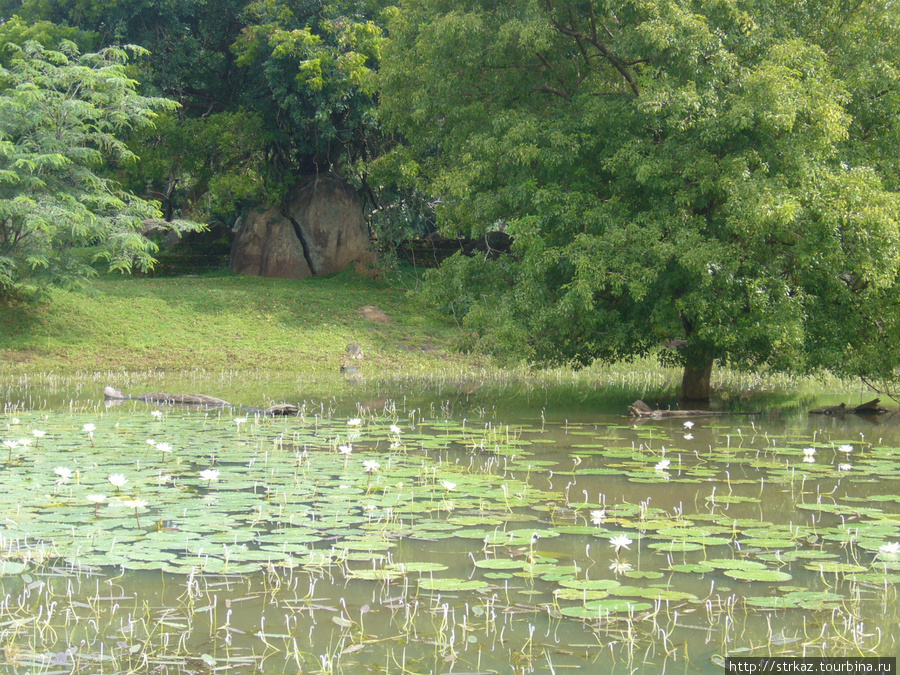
(222, 321)
(137, 332)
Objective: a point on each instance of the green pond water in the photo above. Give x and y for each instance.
(438, 535)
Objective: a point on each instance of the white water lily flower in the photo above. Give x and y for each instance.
(151, 442)
(37, 433)
(620, 541)
(662, 465)
(240, 420)
(156, 413)
(89, 428)
(845, 448)
(689, 437)
(395, 429)
(844, 467)
(809, 452)
(346, 449)
(891, 548)
(64, 473)
(10, 444)
(598, 516)
(117, 479)
(25, 442)
(96, 499)
(164, 447)
(688, 425)
(371, 466)
(209, 474)
(134, 503)
(354, 422)
(448, 485)
(14, 420)
(620, 567)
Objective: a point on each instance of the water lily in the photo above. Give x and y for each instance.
(688, 425)
(619, 567)
(844, 467)
(845, 448)
(239, 421)
(135, 504)
(164, 448)
(118, 480)
(371, 466)
(662, 465)
(64, 473)
(156, 413)
(96, 500)
(689, 437)
(598, 516)
(38, 435)
(345, 449)
(448, 485)
(12, 445)
(151, 442)
(354, 422)
(620, 541)
(891, 548)
(209, 475)
(90, 428)
(395, 429)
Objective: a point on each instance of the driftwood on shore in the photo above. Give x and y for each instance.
(113, 394)
(872, 407)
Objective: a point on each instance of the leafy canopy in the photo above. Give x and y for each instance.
(62, 117)
(705, 174)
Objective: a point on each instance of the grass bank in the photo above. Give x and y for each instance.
(221, 321)
(262, 339)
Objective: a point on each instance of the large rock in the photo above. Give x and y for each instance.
(321, 230)
(267, 246)
(329, 215)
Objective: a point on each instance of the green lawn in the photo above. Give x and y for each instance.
(222, 322)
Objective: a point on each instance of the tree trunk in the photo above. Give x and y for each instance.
(695, 384)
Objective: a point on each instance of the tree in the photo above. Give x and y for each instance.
(62, 115)
(291, 81)
(694, 177)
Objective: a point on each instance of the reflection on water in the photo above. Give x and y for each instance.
(391, 533)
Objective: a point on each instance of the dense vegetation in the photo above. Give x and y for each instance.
(716, 179)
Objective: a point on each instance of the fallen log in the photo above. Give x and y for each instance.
(872, 407)
(113, 394)
(641, 409)
(189, 399)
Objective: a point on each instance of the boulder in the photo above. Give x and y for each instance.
(267, 245)
(328, 215)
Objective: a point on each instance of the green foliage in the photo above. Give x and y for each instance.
(269, 90)
(17, 31)
(693, 171)
(62, 116)
(209, 166)
(314, 68)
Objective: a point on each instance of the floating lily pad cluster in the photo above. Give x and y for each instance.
(596, 526)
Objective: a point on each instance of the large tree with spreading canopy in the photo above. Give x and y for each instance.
(716, 177)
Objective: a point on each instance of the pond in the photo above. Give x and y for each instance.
(440, 537)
